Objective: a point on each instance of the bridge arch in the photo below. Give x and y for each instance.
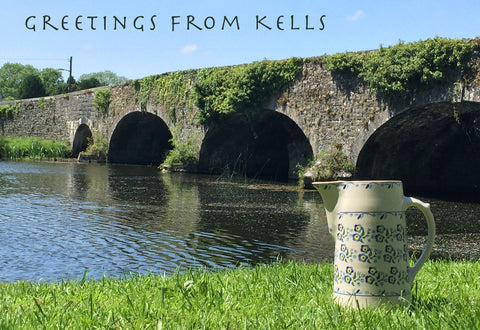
(80, 140)
(268, 147)
(139, 138)
(434, 149)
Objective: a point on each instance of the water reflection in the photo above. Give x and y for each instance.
(56, 220)
(59, 219)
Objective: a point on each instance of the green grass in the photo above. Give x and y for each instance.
(446, 295)
(32, 148)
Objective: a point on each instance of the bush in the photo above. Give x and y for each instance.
(242, 88)
(185, 151)
(331, 165)
(8, 111)
(406, 67)
(97, 146)
(31, 86)
(102, 99)
(217, 91)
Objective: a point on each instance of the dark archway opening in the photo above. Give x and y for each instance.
(81, 139)
(268, 147)
(434, 150)
(140, 138)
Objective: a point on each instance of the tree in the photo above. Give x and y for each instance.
(11, 76)
(52, 81)
(106, 78)
(88, 83)
(12, 85)
(31, 86)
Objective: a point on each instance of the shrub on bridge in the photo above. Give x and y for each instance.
(102, 99)
(218, 91)
(172, 90)
(8, 111)
(243, 88)
(406, 67)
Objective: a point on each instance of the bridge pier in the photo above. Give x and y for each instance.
(79, 133)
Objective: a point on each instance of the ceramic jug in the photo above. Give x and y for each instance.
(367, 222)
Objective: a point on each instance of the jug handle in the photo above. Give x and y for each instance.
(425, 209)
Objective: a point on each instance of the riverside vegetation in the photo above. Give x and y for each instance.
(446, 295)
(32, 148)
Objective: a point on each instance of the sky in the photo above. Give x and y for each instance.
(138, 38)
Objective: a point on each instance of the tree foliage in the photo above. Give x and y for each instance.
(105, 78)
(31, 86)
(88, 83)
(52, 81)
(19, 81)
(11, 76)
(243, 88)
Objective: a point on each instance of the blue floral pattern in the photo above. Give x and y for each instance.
(368, 185)
(377, 281)
(371, 259)
(365, 185)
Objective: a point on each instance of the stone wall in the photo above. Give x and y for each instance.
(330, 109)
(341, 109)
(55, 117)
(43, 117)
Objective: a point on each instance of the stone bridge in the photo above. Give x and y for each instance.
(430, 139)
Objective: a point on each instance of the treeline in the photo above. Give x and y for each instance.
(18, 81)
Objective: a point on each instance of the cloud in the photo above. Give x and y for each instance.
(358, 15)
(188, 49)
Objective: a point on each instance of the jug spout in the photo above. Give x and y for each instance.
(330, 193)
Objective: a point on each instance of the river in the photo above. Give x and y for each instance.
(58, 220)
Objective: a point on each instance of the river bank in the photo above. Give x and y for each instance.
(294, 295)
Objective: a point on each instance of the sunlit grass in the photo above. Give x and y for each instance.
(32, 148)
(446, 295)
